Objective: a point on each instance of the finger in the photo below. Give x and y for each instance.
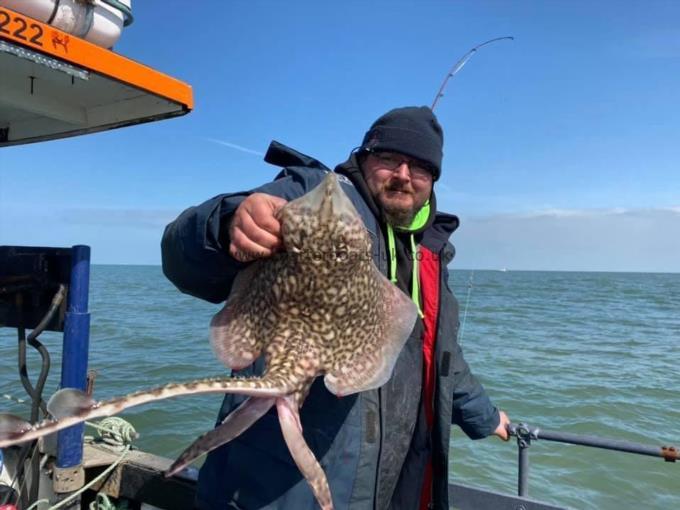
(244, 249)
(276, 202)
(257, 233)
(263, 211)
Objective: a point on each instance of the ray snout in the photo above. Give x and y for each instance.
(335, 202)
(327, 200)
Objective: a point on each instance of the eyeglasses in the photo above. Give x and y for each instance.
(391, 161)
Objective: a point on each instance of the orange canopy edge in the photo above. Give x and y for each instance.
(55, 85)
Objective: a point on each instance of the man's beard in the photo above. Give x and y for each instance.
(398, 216)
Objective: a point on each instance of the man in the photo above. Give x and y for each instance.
(384, 448)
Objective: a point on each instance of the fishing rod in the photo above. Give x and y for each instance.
(459, 65)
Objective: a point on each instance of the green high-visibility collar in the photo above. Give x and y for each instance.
(418, 222)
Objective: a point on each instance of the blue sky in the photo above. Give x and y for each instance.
(561, 146)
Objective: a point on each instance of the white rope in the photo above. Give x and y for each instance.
(84, 487)
(115, 431)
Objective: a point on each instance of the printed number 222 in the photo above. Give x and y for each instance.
(18, 32)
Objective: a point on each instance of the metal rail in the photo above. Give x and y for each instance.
(525, 434)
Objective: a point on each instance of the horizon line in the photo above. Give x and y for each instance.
(496, 270)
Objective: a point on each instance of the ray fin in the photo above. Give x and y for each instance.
(237, 422)
(69, 402)
(12, 426)
(381, 342)
(234, 334)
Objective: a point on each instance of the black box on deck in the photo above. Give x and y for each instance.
(29, 278)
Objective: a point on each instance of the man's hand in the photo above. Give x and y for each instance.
(502, 429)
(255, 232)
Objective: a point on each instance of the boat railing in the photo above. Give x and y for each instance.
(464, 497)
(525, 434)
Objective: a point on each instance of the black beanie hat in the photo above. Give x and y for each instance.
(413, 131)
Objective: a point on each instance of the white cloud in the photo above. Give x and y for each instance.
(612, 239)
(586, 213)
(116, 236)
(616, 239)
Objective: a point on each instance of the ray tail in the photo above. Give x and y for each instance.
(71, 407)
(302, 455)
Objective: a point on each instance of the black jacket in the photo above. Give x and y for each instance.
(373, 446)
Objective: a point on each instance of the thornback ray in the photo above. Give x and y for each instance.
(318, 308)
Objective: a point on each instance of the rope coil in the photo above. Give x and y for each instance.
(116, 431)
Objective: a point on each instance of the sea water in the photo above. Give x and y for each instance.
(588, 353)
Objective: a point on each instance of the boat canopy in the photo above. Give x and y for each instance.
(54, 85)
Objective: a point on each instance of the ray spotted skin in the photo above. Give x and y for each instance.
(318, 308)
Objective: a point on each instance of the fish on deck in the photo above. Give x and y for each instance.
(318, 308)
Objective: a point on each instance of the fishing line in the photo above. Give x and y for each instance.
(467, 302)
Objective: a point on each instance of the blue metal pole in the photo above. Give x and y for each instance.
(75, 352)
